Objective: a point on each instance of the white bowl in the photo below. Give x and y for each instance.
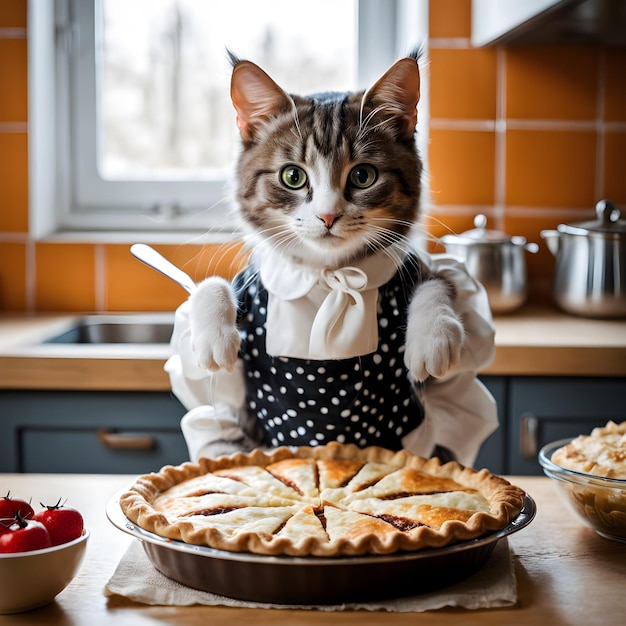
(31, 579)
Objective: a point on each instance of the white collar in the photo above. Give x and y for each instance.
(324, 313)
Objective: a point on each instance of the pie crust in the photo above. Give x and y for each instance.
(601, 453)
(325, 501)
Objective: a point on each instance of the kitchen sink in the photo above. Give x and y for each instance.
(117, 329)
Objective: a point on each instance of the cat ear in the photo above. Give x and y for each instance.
(395, 96)
(256, 97)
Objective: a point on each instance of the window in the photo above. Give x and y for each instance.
(131, 122)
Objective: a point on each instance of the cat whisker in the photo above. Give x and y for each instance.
(208, 256)
(386, 237)
(393, 234)
(380, 239)
(393, 220)
(401, 251)
(428, 237)
(415, 227)
(437, 221)
(396, 253)
(424, 236)
(296, 119)
(279, 238)
(288, 242)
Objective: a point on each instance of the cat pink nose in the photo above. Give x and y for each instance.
(328, 218)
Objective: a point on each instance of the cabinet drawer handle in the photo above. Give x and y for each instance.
(529, 436)
(121, 441)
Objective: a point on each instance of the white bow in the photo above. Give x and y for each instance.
(323, 314)
(340, 321)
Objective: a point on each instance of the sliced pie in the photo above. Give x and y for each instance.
(330, 500)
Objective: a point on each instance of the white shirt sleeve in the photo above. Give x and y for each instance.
(215, 400)
(459, 412)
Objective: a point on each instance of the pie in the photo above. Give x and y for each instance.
(602, 453)
(325, 501)
(599, 497)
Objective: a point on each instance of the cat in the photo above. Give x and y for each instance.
(337, 320)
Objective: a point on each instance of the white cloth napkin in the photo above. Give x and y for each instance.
(493, 586)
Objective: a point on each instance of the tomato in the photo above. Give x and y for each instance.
(24, 535)
(62, 522)
(10, 507)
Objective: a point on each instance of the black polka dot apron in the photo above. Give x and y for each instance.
(365, 400)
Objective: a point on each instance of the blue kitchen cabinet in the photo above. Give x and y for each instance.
(545, 409)
(492, 452)
(536, 410)
(139, 432)
(89, 432)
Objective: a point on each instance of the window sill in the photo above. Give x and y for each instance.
(197, 237)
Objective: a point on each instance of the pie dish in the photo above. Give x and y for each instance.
(326, 501)
(314, 581)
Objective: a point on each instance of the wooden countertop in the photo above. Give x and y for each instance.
(566, 574)
(26, 363)
(536, 341)
(541, 341)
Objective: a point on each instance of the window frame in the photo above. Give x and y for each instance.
(62, 50)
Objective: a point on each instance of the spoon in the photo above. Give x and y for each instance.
(158, 262)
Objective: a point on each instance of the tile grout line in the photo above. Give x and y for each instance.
(601, 127)
(442, 123)
(13, 33)
(30, 278)
(13, 127)
(499, 191)
(462, 124)
(453, 43)
(13, 237)
(517, 210)
(100, 277)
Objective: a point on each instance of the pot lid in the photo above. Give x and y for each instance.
(481, 234)
(607, 222)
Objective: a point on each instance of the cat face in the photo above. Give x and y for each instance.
(328, 179)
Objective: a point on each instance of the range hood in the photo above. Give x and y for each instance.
(548, 22)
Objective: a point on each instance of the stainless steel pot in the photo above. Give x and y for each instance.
(496, 260)
(590, 271)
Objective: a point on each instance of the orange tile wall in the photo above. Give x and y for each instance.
(529, 136)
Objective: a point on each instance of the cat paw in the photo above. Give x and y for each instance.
(437, 351)
(215, 339)
(217, 349)
(435, 335)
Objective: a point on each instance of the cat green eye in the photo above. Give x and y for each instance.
(363, 176)
(293, 177)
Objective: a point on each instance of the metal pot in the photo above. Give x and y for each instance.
(496, 260)
(590, 272)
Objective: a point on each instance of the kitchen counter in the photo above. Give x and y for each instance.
(536, 341)
(566, 574)
(541, 341)
(26, 363)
